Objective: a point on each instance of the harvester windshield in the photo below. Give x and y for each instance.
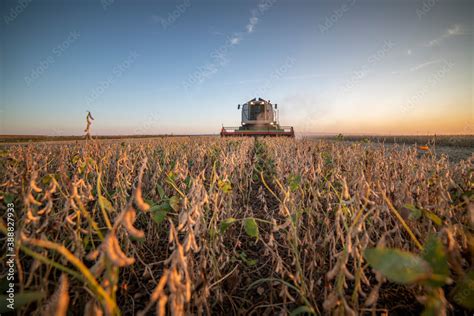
(257, 112)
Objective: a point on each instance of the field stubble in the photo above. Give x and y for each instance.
(241, 226)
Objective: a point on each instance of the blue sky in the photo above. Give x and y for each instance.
(148, 67)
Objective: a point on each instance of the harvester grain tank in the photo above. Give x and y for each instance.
(259, 118)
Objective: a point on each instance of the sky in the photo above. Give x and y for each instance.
(182, 67)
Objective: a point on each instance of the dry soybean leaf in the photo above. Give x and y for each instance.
(397, 265)
(105, 204)
(435, 254)
(174, 203)
(294, 182)
(251, 227)
(249, 262)
(161, 192)
(76, 159)
(415, 213)
(226, 223)
(8, 198)
(159, 212)
(463, 293)
(433, 217)
(305, 310)
(225, 186)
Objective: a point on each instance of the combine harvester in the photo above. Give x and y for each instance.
(259, 118)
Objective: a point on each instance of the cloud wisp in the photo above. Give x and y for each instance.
(425, 64)
(256, 13)
(454, 30)
(252, 22)
(218, 56)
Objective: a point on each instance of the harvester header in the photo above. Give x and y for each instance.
(259, 118)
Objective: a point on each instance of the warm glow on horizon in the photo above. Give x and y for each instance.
(380, 68)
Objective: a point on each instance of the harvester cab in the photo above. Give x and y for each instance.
(259, 118)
